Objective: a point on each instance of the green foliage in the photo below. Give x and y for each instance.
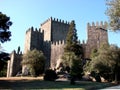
(5, 24)
(113, 11)
(71, 38)
(5, 35)
(94, 53)
(105, 61)
(73, 52)
(76, 68)
(4, 57)
(3, 71)
(68, 58)
(35, 60)
(50, 75)
(74, 62)
(77, 49)
(72, 45)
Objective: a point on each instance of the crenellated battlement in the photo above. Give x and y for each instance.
(32, 29)
(47, 42)
(56, 43)
(60, 42)
(59, 21)
(98, 25)
(18, 52)
(55, 20)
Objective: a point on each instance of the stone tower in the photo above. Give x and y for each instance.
(14, 64)
(33, 39)
(54, 29)
(96, 35)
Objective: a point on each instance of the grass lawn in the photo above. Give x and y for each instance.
(36, 83)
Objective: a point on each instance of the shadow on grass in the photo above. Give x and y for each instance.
(40, 84)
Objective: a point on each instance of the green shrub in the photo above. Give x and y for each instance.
(50, 75)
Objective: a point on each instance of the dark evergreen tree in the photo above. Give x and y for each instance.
(5, 24)
(72, 44)
(5, 35)
(71, 38)
(73, 53)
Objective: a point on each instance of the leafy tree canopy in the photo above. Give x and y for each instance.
(35, 60)
(73, 52)
(113, 11)
(105, 60)
(5, 34)
(72, 44)
(5, 24)
(71, 38)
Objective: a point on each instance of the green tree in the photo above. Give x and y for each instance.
(105, 61)
(73, 52)
(76, 68)
(3, 72)
(35, 60)
(114, 57)
(72, 44)
(5, 34)
(68, 58)
(113, 11)
(71, 39)
(5, 24)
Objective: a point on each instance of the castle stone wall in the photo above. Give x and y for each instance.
(57, 49)
(47, 53)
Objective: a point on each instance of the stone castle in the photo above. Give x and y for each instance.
(50, 38)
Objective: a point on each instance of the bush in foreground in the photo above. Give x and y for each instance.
(50, 75)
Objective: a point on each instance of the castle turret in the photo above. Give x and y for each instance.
(33, 39)
(14, 64)
(55, 29)
(97, 34)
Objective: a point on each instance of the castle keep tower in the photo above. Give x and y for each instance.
(97, 35)
(54, 29)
